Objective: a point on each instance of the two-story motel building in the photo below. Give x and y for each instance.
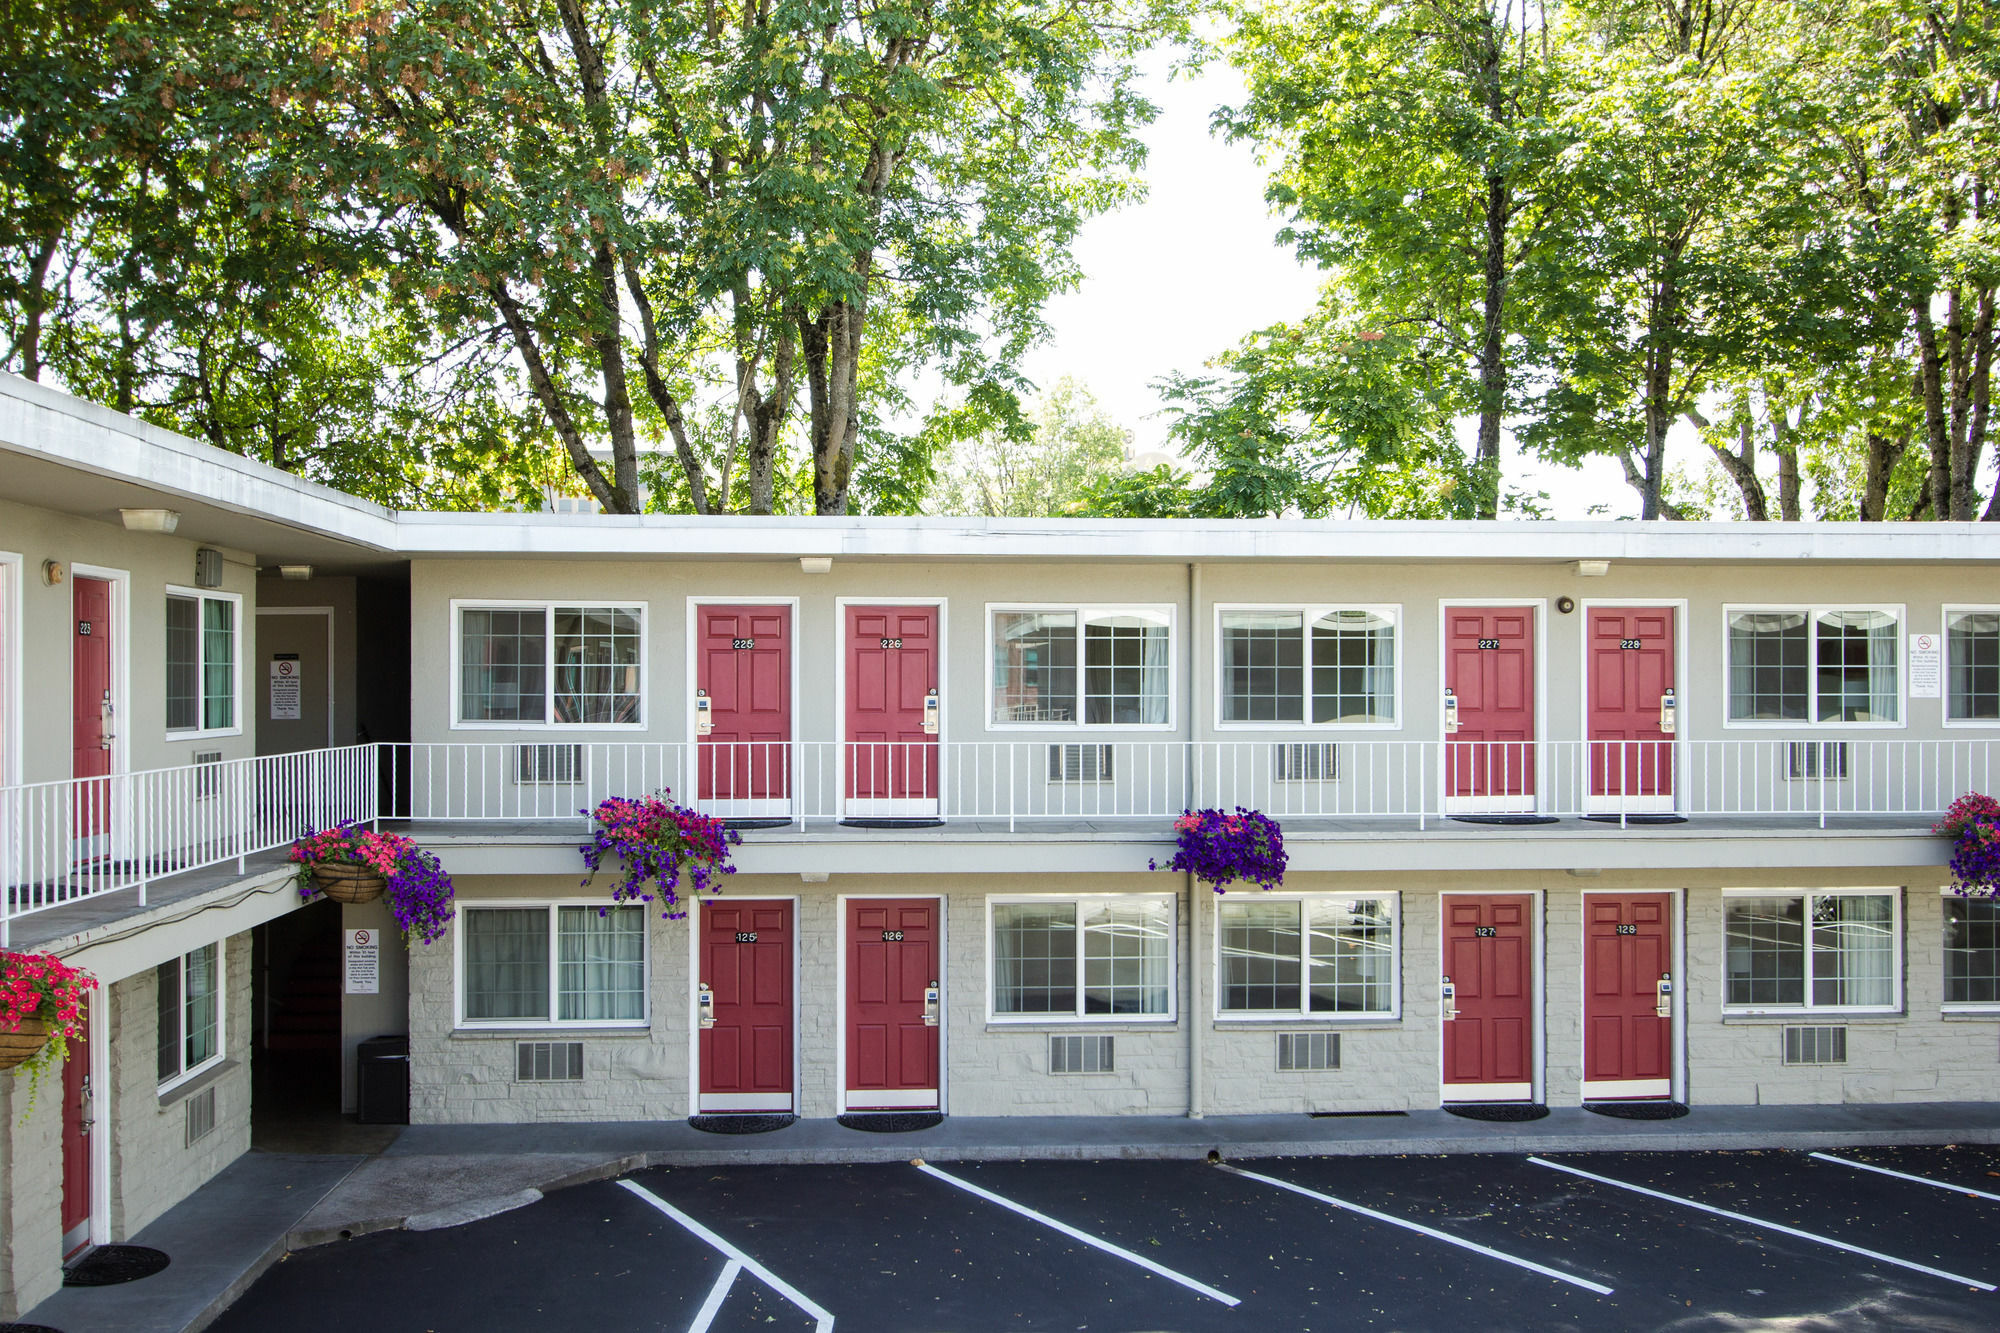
(1576, 812)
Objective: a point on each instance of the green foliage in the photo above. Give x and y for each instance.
(1071, 448)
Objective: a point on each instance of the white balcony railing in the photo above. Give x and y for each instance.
(61, 842)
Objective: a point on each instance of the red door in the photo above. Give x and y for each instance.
(893, 710)
(1627, 952)
(1490, 676)
(76, 1113)
(892, 1033)
(746, 1035)
(90, 755)
(1489, 961)
(1631, 672)
(743, 668)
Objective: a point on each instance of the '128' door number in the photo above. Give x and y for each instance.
(1628, 930)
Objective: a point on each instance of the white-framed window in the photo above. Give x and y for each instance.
(1290, 666)
(203, 663)
(1096, 958)
(548, 664)
(1314, 955)
(1814, 666)
(551, 965)
(1971, 952)
(1812, 949)
(1081, 666)
(1972, 665)
(190, 1008)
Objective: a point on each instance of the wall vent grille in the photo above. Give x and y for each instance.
(547, 765)
(1305, 761)
(200, 1115)
(548, 1061)
(1808, 760)
(1080, 1055)
(1815, 1046)
(1079, 763)
(1305, 1051)
(207, 774)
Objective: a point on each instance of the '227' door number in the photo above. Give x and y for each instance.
(1489, 643)
(1485, 932)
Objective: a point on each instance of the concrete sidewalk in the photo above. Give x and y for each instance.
(266, 1204)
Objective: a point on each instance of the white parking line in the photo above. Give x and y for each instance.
(1769, 1226)
(1421, 1229)
(823, 1321)
(1904, 1175)
(1083, 1236)
(717, 1294)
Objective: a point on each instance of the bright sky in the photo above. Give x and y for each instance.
(1187, 273)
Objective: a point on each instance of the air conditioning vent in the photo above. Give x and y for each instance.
(200, 1115)
(207, 774)
(1815, 1046)
(1080, 1055)
(1814, 759)
(1079, 763)
(1309, 761)
(547, 765)
(548, 1061)
(1304, 1051)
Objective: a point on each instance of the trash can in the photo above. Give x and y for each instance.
(383, 1081)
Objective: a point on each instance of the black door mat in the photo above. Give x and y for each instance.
(109, 1265)
(892, 823)
(740, 1124)
(1508, 1113)
(1638, 821)
(1638, 1110)
(744, 825)
(28, 1328)
(1509, 820)
(892, 1122)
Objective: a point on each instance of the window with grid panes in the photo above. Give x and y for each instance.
(1081, 667)
(1327, 666)
(189, 1036)
(1810, 950)
(550, 665)
(1971, 951)
(1972, 640)
(553, 965)
(1034, 666)
(1808, 665)
(1083, 958)
(1323, 956)
(200, 662)
(1263, 666)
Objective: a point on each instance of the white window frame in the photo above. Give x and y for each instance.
(237, 638)
(1080, 901)
(1084, 612)
(548, 906)
(1897, 944)
(1304, 1014)
(1391, 611)
(179, 961)
(1947, 895)
(1812, 613)
(548, 606)
(1951, 609)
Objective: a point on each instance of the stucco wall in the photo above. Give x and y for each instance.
(338, 594)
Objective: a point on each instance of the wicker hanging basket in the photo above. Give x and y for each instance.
(346, 883)
(18, 1046)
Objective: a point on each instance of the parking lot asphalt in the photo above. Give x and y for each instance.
(1707, 1241)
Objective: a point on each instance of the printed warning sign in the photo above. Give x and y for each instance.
(1926, 666)
(364, 963)
(286, 687)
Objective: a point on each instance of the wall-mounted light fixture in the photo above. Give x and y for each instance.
(295, 573)
(1565, 604)
(1593, 569)
(150, 520)
(54, 572)
(813, 876)
(815, 564)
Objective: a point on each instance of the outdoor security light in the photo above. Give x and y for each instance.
(150, 520)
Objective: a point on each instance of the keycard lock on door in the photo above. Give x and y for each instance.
(932, 998)
(1450, 711)
(1448, 998)
(704, 715)
(704, 1005)
(931, 713)
(1668, 709)
(1663, 996)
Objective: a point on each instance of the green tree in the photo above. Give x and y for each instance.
(1074, 446)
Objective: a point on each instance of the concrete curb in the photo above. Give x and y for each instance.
(276, 1250)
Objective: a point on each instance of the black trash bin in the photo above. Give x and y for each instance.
(383, 1081)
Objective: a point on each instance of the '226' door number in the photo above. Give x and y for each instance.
(892, 643)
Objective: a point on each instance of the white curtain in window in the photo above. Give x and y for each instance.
(1153, 706)
(1854, 947)
(602, 971)
(506, 962)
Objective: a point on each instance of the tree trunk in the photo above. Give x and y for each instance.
(1970, 399)
(1492, 352)
(1883, 455)
(1930, 388)
(609, 340)
(1741, 465)
(34, 306)
(1788, 457)
(832, 346)
(551, 399)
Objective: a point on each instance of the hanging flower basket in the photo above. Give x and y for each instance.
(1219, 848)
(1973, 825)
(41, 1009)
(350, 864)
(655, 840)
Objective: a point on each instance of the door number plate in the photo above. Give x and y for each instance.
(1485, 932)
(1489, 643)
(742, 643)
(892, 937)
(746, 937)
(892, 643)
(1631, 643)
(1628, 930)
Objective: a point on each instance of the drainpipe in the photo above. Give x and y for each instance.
(1197, 975)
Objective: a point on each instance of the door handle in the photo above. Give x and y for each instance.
(87, 1108)
(1448, 999)
(105, 738)
(1668, 707)
(1450, 712)
(704, 715)
(1663, 996)
(704, 1005)
(931, 998)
